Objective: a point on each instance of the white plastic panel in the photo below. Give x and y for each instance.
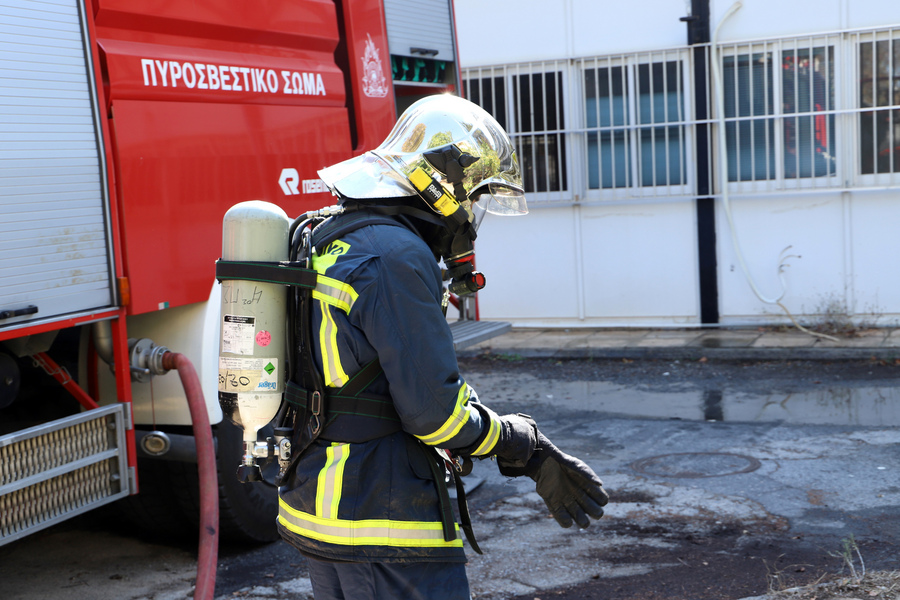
(530, 266)
(53, 227)
(806, 234)
(640, 261)
(772, 18)
(493, 33)
(875, 258)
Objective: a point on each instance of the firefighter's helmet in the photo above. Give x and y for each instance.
(492, 181)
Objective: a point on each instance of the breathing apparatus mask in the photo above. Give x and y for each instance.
(451, 163)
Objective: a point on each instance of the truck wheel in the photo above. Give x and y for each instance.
(155, 512)
(247, 511)
(168, 505)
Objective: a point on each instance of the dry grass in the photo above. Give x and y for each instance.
(877, 585)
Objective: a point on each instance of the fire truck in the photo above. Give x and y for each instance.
(127, 130)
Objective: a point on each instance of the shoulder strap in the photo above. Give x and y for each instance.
(335, 228)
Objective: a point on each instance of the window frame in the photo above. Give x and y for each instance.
(775, 48)
(563, 154)
(891, 177)
(635, 189)
(837, 55)
(509, 75)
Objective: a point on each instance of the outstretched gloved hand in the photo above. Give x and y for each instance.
(570, 488)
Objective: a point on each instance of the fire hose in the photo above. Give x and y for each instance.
(206, 468)
(206, 454)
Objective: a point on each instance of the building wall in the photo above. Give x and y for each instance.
(609, 257)
(590, 264)
(513, 31)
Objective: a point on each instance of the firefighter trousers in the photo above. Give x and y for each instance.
(388, 581)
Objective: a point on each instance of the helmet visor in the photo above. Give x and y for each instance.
(496, 198)
(499, 198)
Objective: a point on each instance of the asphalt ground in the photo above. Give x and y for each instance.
(734, 466)
(715, 496)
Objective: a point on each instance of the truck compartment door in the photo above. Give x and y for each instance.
(55, 241)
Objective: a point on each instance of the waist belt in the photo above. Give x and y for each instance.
(380, 419)
(349, 400)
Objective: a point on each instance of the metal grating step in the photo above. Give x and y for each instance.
(469, 333)
(61, 469)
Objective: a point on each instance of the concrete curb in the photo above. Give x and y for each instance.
(686, 344)
(690, 353)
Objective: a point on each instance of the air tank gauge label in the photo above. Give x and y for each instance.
(248, 374)
(237, 334)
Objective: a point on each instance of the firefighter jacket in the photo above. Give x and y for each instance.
(351, 497)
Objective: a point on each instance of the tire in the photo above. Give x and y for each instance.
(155, 512)
(247, 511)
(168, 504)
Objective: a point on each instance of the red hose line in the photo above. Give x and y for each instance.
(206, 467)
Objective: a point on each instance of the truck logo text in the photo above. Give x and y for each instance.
(203, 76)
(290, 183)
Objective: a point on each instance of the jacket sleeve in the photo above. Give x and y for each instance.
(400, 314)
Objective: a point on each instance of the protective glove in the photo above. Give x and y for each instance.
(569, 488)
(517, 440)
(510, 437)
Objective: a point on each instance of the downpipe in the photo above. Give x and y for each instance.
(206, 469)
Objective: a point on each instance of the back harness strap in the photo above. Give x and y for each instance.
(288, 273)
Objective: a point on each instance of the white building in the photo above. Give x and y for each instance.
(626, 134)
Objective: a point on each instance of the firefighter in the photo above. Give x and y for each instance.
(367, 502)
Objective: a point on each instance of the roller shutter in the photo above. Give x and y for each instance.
(55, 252)
(419, 25)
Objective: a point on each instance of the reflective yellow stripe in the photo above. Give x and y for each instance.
(331, 480)
(335, 293)
(321, 262)
(328, 289)
(367, 532)
(454, 423)
(331, 361)
(490, 440)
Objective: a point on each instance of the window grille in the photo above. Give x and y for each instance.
(533, 113)
(634, 122)
(779, 112)
(878, 84)
(800, 113)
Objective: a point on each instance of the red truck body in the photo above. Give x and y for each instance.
(189, 109)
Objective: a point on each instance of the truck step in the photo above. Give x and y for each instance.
(55, 471)
(468, 333)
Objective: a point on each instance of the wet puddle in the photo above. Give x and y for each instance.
(862, 405)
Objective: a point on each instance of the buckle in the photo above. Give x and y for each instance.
(315, 406)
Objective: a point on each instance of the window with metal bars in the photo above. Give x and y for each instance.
(879, 101)
(535, 123)
(634, 119)
(809, 112)
(779, 113)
